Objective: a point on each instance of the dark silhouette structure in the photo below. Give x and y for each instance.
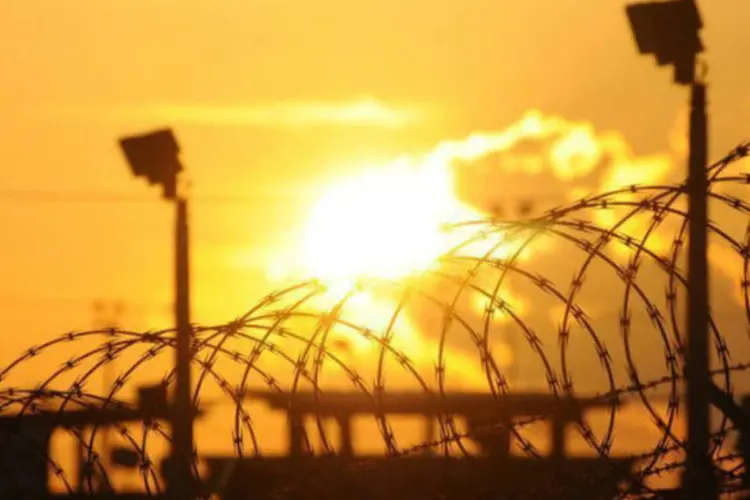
(670, 32)
(429, 474)
(155, 156)
(25, 442)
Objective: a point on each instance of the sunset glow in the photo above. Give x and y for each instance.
(282, 114)
(386, 223)
(379, 249)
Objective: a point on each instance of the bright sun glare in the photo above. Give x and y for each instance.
(385, 223)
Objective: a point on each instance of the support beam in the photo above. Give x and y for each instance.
(296, 434)
(429, 434)
(182, 484)
(699, 481)
(345, 427)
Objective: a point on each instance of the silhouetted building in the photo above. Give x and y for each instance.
(25, 445)
(495, 473)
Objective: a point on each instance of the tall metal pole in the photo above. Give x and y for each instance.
(699, 481)
(155, 157)
(183, 413)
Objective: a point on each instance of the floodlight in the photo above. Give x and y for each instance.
(669, 31)
(154, 156)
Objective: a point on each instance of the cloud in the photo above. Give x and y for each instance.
(547, 158)
(365, 112)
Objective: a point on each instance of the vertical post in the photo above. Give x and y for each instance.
(504, 437)
(296, 436)
(182, 411)
(429, 433)
(557, 435)
(345, 427)
(699, 479)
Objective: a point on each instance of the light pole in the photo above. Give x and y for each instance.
(669, 31)
(155, 157)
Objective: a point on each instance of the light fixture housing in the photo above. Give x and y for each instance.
(155, 156)
(668, 30)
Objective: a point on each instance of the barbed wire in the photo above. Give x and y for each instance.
(437, 333)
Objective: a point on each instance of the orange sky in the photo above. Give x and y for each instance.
(260, 93)
(273, 101)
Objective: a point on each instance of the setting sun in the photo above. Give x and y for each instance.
(388, 220)
(386, 223)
